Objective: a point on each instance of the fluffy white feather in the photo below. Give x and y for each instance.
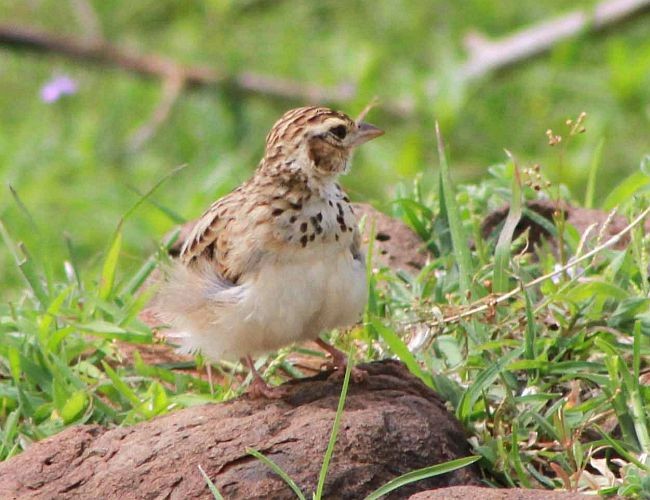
(291, 298)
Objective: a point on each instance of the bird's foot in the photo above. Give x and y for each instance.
(339, 364)
(357, 375)
(259, 389)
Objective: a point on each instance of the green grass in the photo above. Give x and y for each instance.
(74, 168)
(556, 360)
(535, 376)
(548, 382)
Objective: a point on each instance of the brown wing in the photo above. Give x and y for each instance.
(235, 232)
(201, 236)
(214, 235)
(355, 247)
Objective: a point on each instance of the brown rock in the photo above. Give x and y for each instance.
(392, 424)
(580, 218)
(396, 245)
(493, 220)
(464, 492)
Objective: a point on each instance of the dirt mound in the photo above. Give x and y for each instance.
(392, 424)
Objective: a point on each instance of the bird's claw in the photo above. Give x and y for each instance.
(259, 389)
(357, 375)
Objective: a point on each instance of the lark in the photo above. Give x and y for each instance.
(278, 260)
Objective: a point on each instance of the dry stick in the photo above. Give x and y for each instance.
(172, 88)
(484, 56)
(175, 76)
(102, 52)
(87, 19)
(502, 298)
(488, 55)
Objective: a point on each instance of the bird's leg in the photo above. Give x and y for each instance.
(340, 362)
(339, 358)
(208, 367)
(258, 387)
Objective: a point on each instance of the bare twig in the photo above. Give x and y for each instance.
(493, 301)
(172, 88)
(101, 52)
(87, 19)
(488, 55)
(484, 57)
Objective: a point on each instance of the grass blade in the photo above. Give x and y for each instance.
(25, 266)
(45, 265)
(631, 380)
(621, 449)
(23, 208)
(110, 331)
(424, 473)
(335, 430)
(108, 272)
(626, 189)
(74, 261)
(121, 386)
(211, 486)
(171, 214)
(147, 268)
(8, 434)
(28, 269)
(502, 250)
(409, 208)
(482, 383)
(400, 349)
(458, 237)
(278, 470)
(150, 192)
(530, 334)
(593, 172)
(107, 279)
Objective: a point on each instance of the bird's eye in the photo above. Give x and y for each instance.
(339, 131)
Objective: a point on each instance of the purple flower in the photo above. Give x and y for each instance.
(57, 87)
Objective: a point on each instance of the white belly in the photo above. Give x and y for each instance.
(287, 301)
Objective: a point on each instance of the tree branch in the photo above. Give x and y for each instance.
(171, 90)
(153, 66)
(484, 56)
(87, 19)
(487, 55)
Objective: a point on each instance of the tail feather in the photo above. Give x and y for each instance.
(191, 301)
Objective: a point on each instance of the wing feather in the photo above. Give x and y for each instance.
(231, 234)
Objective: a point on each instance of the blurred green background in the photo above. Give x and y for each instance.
(74, 165)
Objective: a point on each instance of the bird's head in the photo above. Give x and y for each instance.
(317, 139)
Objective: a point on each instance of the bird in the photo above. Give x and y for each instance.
(278, 260)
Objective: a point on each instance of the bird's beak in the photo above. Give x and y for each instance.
(364, 133)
